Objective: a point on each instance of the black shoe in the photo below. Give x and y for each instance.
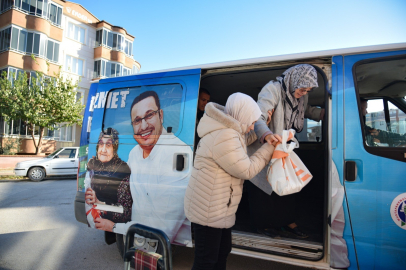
(296, 231)
(269, 232)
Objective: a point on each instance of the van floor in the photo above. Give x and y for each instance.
(308, 217)
(310, 202)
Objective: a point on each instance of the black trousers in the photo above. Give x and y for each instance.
(212, 247)
(270, 210)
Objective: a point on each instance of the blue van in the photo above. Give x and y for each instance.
(137, 145)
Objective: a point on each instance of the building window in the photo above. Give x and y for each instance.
(13, 127)
(14, 73)
(53, 51)
(36, 7)
(80, 96)
(128, 48)
(76, 32)
(103, 68)
(126, 71)
(5, 5)
(5, 39)
(113, 41)
(42, 8)
(135, 69)
(29, 43)
(74, 65)
(98, 38)
(18, 39)
(55, 14)
(63, 133)
(60, 133)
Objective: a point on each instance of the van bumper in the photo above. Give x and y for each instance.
(80, 212)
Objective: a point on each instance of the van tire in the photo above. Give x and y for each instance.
(36, 174)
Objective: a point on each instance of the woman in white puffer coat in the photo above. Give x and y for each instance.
(220, 167)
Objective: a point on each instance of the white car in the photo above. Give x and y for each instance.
(63, 161)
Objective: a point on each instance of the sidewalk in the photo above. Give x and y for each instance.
(7, 174)
(6, 171)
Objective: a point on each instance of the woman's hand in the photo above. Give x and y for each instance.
(322, 112)
(269, 117)
(273, 139)
(104, 224)
(90, 196)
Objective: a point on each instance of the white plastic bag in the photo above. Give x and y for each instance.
(286, 173)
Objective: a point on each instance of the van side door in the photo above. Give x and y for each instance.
(375, 156)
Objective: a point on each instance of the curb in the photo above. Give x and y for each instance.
(14, 180)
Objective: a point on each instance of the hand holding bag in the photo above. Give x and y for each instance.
(286, 173)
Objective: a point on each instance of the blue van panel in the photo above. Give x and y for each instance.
(84, 137)
(380, 243)
(189, 80)
(337, 144)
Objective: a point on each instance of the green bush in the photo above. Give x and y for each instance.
(10, 147)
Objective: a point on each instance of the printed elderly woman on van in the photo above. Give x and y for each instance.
(109, 183)
(287, 100)
(220, 167)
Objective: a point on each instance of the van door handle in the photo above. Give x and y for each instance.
(180, 162)
(350, 171)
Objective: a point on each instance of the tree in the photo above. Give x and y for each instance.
(39, 101)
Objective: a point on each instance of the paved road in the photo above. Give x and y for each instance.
(38, 230)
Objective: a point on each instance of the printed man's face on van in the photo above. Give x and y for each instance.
(105, 151)
(147, 123)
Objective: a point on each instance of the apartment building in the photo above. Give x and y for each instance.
(68, 37)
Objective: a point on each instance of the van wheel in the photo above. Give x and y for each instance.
(36, 174)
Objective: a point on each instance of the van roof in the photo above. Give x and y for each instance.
(295, 56)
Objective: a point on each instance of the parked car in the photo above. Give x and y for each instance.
(63, 161)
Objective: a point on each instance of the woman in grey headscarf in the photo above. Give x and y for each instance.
(285, 100)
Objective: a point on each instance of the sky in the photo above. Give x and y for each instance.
(178, 33)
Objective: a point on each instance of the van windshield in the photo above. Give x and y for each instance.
(54, 153)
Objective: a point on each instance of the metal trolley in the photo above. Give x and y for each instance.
(165, 262)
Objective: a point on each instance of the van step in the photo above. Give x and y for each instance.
(296, 248)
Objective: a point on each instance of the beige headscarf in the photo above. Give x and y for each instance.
(242, 108)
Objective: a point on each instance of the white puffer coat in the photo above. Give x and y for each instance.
(220, 167)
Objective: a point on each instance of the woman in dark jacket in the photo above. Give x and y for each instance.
(109, 183)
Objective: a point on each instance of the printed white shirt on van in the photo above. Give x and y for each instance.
(158, 189)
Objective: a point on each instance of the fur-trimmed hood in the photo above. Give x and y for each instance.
(214, 119)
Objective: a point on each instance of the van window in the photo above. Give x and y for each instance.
(118, 108)
(382, 133)
(311, 132)
(380, 86)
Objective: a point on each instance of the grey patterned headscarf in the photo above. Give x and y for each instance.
(299, 76)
